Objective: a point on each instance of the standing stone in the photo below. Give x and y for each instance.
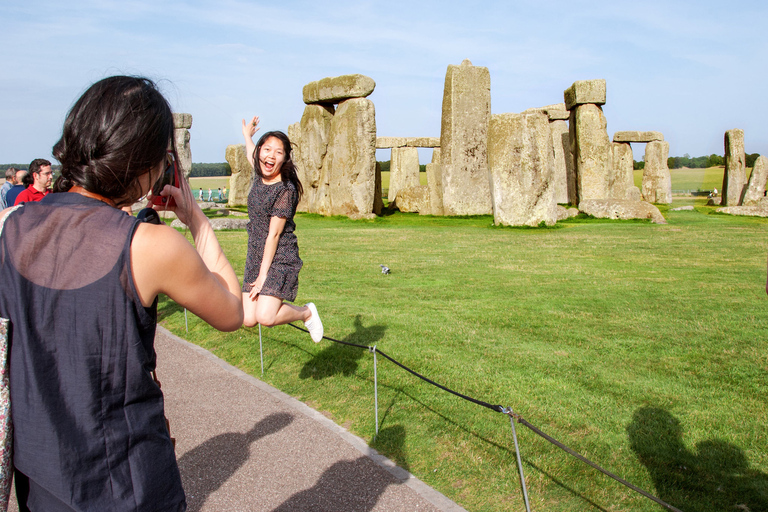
(315, 127)
(294, 135)
(563, 160)
(464, 139)
(591, 152)
(623, 176)
(181, 125)
(521, 162)
(756, 188)
(242, 175)
(378, 202)
(735, 176)
(435, 187)
(350, 165)
(657, 182)
(403, 170)
(413, 199)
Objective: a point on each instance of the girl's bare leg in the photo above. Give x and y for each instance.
(271, 311)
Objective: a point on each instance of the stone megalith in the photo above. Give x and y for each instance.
(337, 89)
(378, 202)
(735, 175)
(621, 209)
(589, 142)
(403, 171)
(181, 125)
(242, 175)
(623, 176)
(657, 182)
(756, 187)
(464, 139)
(350, 164)
(315, 127)
(413, 199)
(521, 163)
(558, 125)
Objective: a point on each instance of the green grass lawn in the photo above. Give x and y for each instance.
(641, 346)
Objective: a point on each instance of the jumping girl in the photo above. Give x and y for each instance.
(272, 264)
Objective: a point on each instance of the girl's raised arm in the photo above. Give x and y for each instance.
(249, 129)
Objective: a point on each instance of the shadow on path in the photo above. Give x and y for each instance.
(353, 485)
(340, 359)
(714, 476)
(208, 466)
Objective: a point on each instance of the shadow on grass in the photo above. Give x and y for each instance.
(166, 307)
(208, 466)
(391, 440)
(341, 359)
(714, 476)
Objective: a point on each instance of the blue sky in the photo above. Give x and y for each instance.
(688, 69)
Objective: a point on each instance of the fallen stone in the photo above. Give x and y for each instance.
(637, 136)
(403, 171)
(749, 211)
(339, 88)
(521, 163)
(756, 187)
(207, 205)
(585, 92)
(621, 209)
(242, 175)
(413, 199)
(657, 181)
(592, 153)
(735, 174)
(464, 140)
(714, 201)
(217, 224)
(167, 214)
(566, 213)
(682, 209)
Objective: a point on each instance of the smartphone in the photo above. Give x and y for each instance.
(170, 176)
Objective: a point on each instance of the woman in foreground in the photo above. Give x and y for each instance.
(272, 264)
(80, 285)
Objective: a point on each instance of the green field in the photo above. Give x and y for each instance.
(643, 347)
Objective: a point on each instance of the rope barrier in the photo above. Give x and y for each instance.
(512, 416)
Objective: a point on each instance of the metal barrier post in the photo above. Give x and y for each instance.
(186, 322)
(375, 389)
(508, 411)
(261, 352)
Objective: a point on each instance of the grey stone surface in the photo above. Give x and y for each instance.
(403, 171)
(621, 209)
(521, 162)
(181, 124)
(758, 210)
(407, 142)
(562, 158)
(682, 209)
(591, 152)
(436, 152)
(554, 112)
(634, 194)
(390, 142)
(637, 136)
(585, 92)
(735, 175)
(566, 213)
(413, 199)
(657, 181)
(242, 175)
(756, 186)
(339, 88)
(622, 177)
(218, 224)
(463, 140)
(350, 162)
(435, 187)
(314, 133)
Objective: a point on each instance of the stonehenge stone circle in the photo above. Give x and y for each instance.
(521, 163)
(350, 162)
(735, 176)
(314, 133)
(591, 152)
(637, 136)
(403, 171)
(464, 139)
(756, 187)
(621, 209)
(337, 89)
(242, 175)
(657, 182)
(181, 125)
(622, 178)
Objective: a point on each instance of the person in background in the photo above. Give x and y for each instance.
(10, 181)
(201, 194)
(218, 194)
(224, 194)
(18, 188)
(42, 176)
(210, 194)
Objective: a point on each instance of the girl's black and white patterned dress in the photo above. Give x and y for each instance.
(264, 202)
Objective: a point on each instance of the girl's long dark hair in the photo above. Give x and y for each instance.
(119, 129)
(288, 169)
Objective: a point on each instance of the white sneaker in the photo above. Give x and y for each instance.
(314, 325)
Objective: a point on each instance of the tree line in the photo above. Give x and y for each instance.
(698, 162)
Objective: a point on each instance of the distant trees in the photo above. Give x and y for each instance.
(698, 162)
(204, 170)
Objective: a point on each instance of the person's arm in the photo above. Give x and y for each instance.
(248, 131)
(198, 278)
(276, 226)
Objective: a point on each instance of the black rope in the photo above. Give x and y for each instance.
(499, 408)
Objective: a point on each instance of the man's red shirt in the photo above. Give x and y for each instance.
(30, 194)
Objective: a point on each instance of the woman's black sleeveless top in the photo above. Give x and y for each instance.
(89, 430)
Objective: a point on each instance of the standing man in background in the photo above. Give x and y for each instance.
(10, 180)
(42, 175)
(18, 188)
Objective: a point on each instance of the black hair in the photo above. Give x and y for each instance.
(288, 169)
(119, 129)
(27, 179)
(37, 163)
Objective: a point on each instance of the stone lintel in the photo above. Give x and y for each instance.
(407, 142)
(337, 89)
(637, 136)
(585, 92)
(182, 121)
(554, 112)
